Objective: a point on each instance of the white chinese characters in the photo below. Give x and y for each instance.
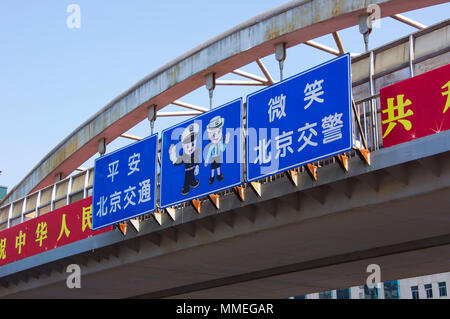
(120, 200)
(130, 195)
(133, 162)
(307, 140)
(305, 137)
(144, 192)
(102, 210)
(133, 166)
(113, 170)
(264, 156)
(277, 106)
(332, 126)
(313, 92)
(283, 144)
(115, 202)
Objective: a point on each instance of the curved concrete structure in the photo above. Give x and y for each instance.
(292, 23)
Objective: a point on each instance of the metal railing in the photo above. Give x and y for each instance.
(60, 194)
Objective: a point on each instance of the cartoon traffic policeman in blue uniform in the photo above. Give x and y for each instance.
(215, 149)
(190, 157)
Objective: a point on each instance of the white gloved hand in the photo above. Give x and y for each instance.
(196, 170)
(172, 153)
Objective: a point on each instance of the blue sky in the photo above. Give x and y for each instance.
(53, 78)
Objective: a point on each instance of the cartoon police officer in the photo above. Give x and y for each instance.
(215, 149)
(190, 157)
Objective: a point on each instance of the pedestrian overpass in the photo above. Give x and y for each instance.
(310, 229)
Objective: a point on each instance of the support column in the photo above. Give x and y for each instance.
(280, 55)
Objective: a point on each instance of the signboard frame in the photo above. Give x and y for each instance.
(155, 176)
(348, 147)
(240, 147)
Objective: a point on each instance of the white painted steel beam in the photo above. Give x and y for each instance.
(181, 113)
(322, 47)
(243, 83)
(190, 106)
(249, 76)
(131, 137)
(265, 72)
(409, 21)
(339, 44)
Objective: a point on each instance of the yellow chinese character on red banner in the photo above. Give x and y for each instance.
(3, 248)
(87, 218)
(64, 229)
(20, 241)
(447, 104)
(401, 114)
(41, 232)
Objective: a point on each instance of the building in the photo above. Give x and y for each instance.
(3, 191)
(424, 287)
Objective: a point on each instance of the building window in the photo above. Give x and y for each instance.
(343, 293)
(370, 293)
(415, 292)
(442, 289)
(361, 292)
(391, 289)
(325, 295)
(429, 291)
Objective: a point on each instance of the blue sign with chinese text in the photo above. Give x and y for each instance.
(300, 120)
(125, 183)
(202, 155)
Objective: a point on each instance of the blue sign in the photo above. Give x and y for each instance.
(300, 120)
(202, 155)
(125, 183)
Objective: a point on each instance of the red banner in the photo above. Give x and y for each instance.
(416, 107)
(57, 228)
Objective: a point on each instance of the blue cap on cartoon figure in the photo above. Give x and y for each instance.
(190, 133)
(215, 123)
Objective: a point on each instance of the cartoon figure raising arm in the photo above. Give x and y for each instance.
(215, 149)
(190, 157)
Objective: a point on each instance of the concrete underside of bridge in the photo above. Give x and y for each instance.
(292, 240)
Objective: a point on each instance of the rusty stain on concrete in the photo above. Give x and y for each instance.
(58, 158)
(72, 146)
(275, 31)
(337, 8)
(172, 76)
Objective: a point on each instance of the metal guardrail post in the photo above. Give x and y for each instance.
(10, 214)
(52, 199)
(374, 110)
(86, 183)
(24, 207)
(38, 203)
(411, 56)
(69, 190)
